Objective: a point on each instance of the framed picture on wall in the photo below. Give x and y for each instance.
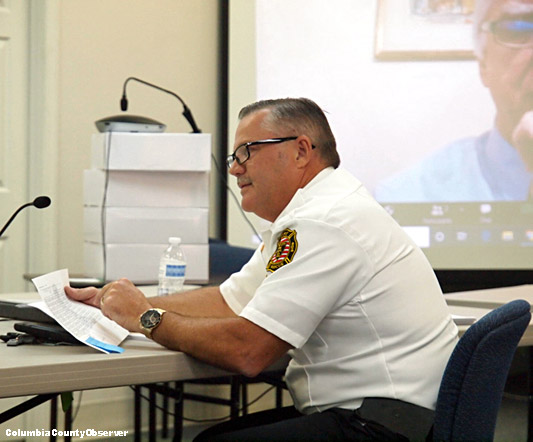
(424, 30)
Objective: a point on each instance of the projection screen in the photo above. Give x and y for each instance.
(400, 85)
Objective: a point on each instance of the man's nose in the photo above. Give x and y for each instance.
(236, 169)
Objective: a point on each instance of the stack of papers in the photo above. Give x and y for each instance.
(84, 322)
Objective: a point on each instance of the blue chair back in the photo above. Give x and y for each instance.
(225, 260)
(472, 385)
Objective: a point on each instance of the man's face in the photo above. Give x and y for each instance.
(508, 71)
(267, 178)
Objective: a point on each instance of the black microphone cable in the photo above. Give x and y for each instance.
(224, 180)
(188, 116)
(103, 218)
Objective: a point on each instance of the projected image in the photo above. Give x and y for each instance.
(444, 144)
(497, 165)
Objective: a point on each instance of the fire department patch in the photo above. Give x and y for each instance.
(284, 254)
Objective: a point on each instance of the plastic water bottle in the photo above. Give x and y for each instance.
(172, 268)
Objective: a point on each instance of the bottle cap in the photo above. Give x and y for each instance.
(174, 240)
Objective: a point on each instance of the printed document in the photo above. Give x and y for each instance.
(84, 322)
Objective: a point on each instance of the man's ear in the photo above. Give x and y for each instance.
(304, 147)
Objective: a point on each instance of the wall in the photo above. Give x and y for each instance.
(242, 91)
(82, 51)
(171, 43)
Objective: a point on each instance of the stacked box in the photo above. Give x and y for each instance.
(142, 189)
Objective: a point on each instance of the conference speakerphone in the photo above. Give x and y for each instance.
(129, 123)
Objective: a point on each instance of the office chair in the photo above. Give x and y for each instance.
(472, 386)
(225, 259)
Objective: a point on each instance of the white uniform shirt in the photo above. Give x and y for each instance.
(354, 296)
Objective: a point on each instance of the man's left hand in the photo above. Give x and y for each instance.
(120, 301)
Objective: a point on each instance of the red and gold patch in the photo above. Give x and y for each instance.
(285, 251)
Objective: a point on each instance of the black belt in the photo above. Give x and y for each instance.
(410, 420)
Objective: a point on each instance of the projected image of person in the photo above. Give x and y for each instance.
(497, 165)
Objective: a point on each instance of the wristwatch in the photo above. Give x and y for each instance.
(150, 319)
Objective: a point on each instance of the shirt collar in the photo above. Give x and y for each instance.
(300, 196)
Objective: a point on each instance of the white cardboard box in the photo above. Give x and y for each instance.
(141, 225)
(146, 189)
(140, 262)
(151, 151)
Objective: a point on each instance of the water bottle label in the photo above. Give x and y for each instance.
(175, 271)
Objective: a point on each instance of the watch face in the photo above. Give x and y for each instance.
(150, 318)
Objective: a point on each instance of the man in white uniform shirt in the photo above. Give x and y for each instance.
(336, 284)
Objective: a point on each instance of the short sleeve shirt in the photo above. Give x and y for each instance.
(338, 279)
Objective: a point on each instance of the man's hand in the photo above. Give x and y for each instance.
(120, 301)
(87, 295)
(523, 139)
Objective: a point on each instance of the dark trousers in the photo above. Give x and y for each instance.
(287, 424)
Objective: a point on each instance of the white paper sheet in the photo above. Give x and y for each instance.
(85, 323)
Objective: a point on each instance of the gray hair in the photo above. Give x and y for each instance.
(299, 116)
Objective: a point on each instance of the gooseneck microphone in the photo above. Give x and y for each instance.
(40, 202)
(186, 111)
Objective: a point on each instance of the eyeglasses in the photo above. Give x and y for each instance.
(511, 33)
(242, 153)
